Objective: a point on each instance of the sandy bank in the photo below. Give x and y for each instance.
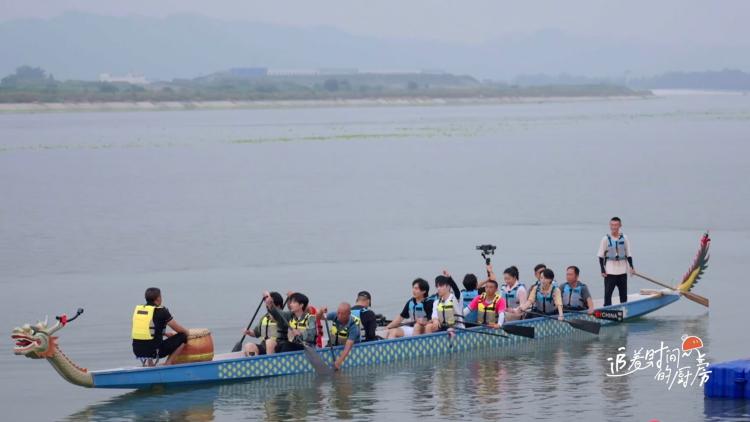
(270, 104)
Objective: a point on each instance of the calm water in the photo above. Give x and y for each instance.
(216, 206)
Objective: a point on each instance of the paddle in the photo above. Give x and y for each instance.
(481, 332)
(516, 330)
(316, 361)
(238, 346)
(588, 326)
(691, 296)
(330, 342)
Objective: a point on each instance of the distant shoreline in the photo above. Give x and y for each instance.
(119, 106)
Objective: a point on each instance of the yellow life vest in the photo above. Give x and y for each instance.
(446, 313)
(143, 322)
(268, 328)
(298, 324)
(341, 334)
(487, 314)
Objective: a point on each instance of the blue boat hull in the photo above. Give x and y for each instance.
(364, 354)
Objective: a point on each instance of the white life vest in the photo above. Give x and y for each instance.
(511, 296)
(446, 312)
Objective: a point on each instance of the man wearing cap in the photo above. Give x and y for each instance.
(366, 316)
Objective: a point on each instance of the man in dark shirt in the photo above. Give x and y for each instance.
(416, 313)
(362, 310)
(149, 323)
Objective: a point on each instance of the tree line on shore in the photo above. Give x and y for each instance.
(33, 84)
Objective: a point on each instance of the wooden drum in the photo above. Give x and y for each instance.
(199, 347)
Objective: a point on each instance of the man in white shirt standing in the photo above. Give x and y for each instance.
(615, 260)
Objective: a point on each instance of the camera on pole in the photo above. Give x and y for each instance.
(487, 250)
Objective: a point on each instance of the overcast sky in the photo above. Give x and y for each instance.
(663, 21)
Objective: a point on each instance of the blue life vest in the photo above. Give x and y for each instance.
(357, 313)
(616, 249)
(511, 296)
(545, 304)
(417, 309)
(573, 298)
(467, 296)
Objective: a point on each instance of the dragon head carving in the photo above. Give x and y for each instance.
(35, 341)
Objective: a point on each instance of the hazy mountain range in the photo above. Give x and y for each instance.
(80, 46)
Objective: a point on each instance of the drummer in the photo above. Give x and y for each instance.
(266, 330)
(149, 323)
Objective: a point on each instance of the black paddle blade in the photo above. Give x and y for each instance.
(316, 361)
(237, 347)
(519, 330)
(588, 326)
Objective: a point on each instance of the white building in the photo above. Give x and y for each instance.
(293, 72)
(129, 78)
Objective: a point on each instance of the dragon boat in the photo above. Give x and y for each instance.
(40, 342)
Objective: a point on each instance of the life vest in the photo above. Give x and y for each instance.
(446, 312)
(545, 304)
(572, 298)
(511, 296)
(357, 314)
(468, 296)
(143, 322)
(417, 310)
(268, 328)
(538, 283)
(340, 332)
(616, 249)
(298, 324)
(487, 314)
(318, 326)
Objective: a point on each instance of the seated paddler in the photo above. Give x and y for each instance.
(544, 297)
(267, 331)
(575, 293)
(345, 330)
(362, 309)
(469, 292)
(514, 293)
(149, 324)
(296, 326)
(446, 311)
(489, 306)
(416, 313)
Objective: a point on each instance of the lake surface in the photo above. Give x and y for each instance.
(216, 206)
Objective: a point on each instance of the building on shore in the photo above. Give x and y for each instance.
(130, 78)
(249, 72)
(293, 72)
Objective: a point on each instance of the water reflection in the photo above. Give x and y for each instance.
(726, 410)
(564, 377)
